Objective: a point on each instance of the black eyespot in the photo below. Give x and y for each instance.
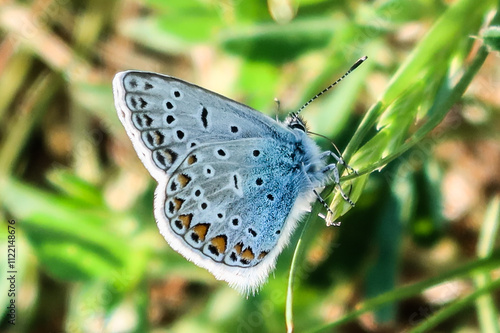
(209, 171)
(252, 232)
(235, 221)
(219, 215)
(150, 139)
(259, 181)
(177, 94)
(178, 224)
(204, 205)
(173, 186)
(143, 120)
(234, 129)
(235, 179)
(213, 250)
(221, 152)
(233, 257)
(143, 102)
(278, 232)
(204, 117)
(195, 237)
(170, 119)
(169, 105)
(256, 153)
(134, 103)
(197, 193)
(270, 197)
(138, 120)
(180, 134)
(161, 159)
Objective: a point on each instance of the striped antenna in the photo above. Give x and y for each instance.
(353, 67)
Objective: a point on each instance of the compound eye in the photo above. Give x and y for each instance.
(297, 125)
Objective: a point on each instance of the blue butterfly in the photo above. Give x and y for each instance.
(232, 182)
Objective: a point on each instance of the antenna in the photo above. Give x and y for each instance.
(353, 67)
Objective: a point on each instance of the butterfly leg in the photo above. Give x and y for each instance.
(339, 160)
(323, 202)
(336, 180)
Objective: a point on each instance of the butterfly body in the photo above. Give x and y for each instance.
(232, 182)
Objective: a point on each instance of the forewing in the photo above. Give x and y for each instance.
(166, 117)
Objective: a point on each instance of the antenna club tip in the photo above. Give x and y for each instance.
(353, 67)
(356, 64)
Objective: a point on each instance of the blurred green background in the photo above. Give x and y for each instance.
(419, 120)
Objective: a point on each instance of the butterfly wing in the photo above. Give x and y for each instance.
(232, 214)
(165, 117)
(229, 192)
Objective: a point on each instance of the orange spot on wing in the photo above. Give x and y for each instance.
(186, 220)
(220, 242)
(158, 138)
(183, 179)
(262, 255)
(168, 156)
(192, 159)
(247, 254)
(201, 231)
(178, 203)
(238, 247)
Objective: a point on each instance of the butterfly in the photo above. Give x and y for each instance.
(232, 182)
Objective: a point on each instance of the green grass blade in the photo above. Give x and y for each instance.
(405, 292)
(455, 307)
(485, 305)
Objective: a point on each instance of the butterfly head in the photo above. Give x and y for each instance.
(296, 122)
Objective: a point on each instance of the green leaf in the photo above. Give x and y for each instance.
(441, 37)
(150, 33)
(276, 43)
(192, 21)
(75, 186)
(491, 37)
(71, 238)
(259, 80)
(395, 215)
